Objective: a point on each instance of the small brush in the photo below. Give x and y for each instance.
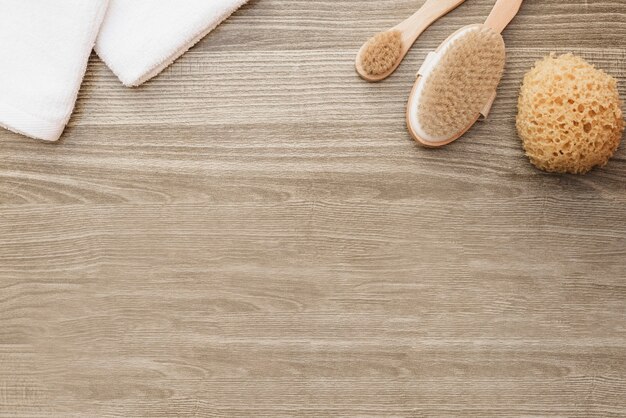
(380, 56)
(457, 83)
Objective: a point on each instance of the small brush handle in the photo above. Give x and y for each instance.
(432, 10)
(503, 12)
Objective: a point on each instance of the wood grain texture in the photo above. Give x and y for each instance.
(253, 233)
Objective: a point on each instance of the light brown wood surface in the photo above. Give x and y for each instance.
(254, 233)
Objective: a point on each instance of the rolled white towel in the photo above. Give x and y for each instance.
(140, 38)
(44, 49)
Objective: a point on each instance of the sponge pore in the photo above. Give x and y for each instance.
(382, 52)
(461, 83)
(569, 115)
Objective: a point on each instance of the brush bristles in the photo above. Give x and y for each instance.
(462, 83)
(382, 52)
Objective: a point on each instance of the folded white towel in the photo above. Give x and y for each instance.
(140, 38)
(44, 49)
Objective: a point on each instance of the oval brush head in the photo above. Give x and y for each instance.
(456, 86)
(381, 53)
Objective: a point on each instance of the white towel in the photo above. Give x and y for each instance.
(44, 49)
(140, 38)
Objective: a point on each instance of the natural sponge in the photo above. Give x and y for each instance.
(569, 115)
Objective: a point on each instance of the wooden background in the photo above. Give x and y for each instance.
(254, 233)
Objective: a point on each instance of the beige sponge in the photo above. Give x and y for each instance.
(569, 115)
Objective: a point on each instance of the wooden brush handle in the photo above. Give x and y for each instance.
(432, 10)
(503, 12)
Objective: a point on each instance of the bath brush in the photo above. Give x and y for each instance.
(380, 56)
(457, 83)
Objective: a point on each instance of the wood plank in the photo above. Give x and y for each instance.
(253, 233)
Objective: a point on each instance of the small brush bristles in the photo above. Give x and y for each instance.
(382, 52)
(462, 83)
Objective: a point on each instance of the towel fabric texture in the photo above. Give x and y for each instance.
(45, 46)
(140, 38)
(44, 49)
